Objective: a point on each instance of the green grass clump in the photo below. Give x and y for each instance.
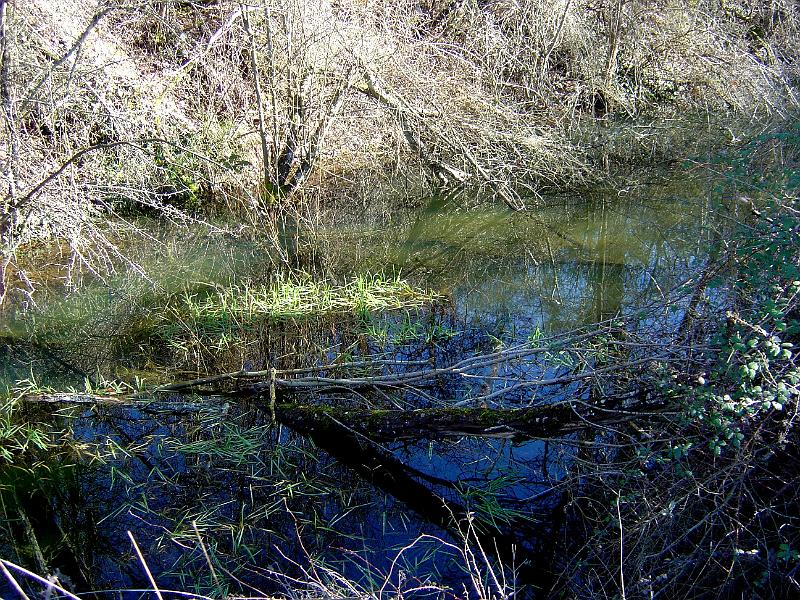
(18, 438)
(202, 327)
(293, 298)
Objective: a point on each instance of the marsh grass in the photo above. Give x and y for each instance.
(19, 437)
(220, 319)
(409, 328)
(232, 443)
(300, 296)
(488, 510)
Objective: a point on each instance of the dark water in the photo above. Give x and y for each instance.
(263, 499)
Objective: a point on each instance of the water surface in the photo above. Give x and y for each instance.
(262, 498)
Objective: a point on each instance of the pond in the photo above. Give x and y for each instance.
(220, 497)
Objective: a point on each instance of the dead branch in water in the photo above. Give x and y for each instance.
(523, 368)
(501, 391)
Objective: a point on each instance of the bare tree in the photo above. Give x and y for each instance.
(494, 95)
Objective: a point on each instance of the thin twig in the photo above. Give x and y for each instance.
(145, 567)
(13, 581)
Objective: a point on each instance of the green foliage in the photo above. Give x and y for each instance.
(408, 328)
(787, 554)
(190, 169)
(756, 372)
(489, 510)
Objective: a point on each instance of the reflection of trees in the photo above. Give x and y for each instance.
(49, 520)
(605, 287)
(574, 262)
(249, 486)
(250, 489)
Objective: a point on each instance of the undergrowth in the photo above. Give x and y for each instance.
(702, 503)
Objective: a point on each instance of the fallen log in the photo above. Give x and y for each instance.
(512, 541)
(536, 422)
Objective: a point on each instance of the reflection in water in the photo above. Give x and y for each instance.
(253, 492)
(224, 474)
(570, 263)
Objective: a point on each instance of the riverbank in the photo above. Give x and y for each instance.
(183, 108)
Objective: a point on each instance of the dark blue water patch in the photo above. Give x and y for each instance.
(485, 473)
(254, 492)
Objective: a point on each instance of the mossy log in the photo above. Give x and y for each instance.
(381, 425)
(544, 421)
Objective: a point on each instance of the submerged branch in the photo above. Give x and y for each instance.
(586, 374)
(380, 425)
(518, 378)
(312, 379)
(537, 422)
